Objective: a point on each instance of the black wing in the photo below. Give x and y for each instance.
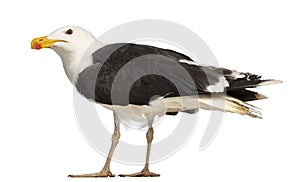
(125, 74)
(135, 74)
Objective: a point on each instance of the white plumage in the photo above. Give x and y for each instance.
(92, 67)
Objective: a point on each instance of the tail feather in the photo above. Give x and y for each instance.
(229, 104)
(245, 95)
(239, 83)
(239, 80)
(237, 106)
(269, 82)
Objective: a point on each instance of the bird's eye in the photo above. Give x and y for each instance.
(69, 32)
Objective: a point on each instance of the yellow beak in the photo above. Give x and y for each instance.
(43, 42)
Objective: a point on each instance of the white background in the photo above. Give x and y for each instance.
(40, 140)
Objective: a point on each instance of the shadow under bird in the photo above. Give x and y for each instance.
(138, 82)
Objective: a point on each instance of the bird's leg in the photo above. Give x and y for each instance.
(105, 172)
(145, 172)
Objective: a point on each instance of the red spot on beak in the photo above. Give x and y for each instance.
(37, 46)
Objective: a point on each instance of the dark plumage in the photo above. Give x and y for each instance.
(140, 82)
(96, 81)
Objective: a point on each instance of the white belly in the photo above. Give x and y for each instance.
(159, 107)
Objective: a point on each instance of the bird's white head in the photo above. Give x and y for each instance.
(68, 39)
(70, 43)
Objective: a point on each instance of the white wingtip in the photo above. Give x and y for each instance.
(269, 82)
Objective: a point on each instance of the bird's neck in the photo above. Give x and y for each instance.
(75, 62)
(71, 65)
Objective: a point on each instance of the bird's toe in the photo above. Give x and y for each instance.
(93, 175)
